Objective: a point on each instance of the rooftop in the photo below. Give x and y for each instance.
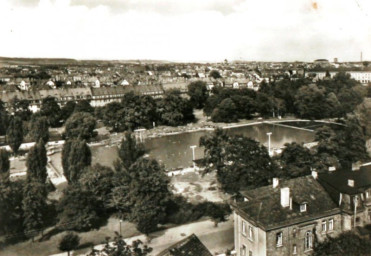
(264, 204)
(191, 246)
(339, 180)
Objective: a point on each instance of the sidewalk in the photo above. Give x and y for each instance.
(216, 239)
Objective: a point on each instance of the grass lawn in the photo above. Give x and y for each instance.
(88, 239)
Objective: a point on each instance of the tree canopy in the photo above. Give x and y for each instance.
(78, 209)
(36, 163)
(130, 151)
(51, 110)
(14, 134)
(39, 129)
(80, 125)
(142, 193)
(198, 94)
(4, 164)
(346, 243)
(296, 161)
(34, 207)
(240, 162)
(76, 156)
(69, 242)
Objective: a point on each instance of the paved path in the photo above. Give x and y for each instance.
(216, 239)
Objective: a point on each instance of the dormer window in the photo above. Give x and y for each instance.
(303, 207)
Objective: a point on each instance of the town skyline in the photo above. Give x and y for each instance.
(186, 31)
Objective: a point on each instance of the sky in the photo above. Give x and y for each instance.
(187, 30)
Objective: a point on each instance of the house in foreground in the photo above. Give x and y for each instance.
(352, 191)
(286, 218)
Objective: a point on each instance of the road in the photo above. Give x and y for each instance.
(216, 239)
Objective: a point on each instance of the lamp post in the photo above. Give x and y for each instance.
(193, 154)
(269, 142)
(120, 226)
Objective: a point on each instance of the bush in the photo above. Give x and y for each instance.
(182, 212)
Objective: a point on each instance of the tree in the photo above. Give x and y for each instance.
(80, 125)
(215, 74)
(218, 212)
(239, 162)
(4, 119)
(84, 106)
(347, 243)
(11, 214)
(245, 106)
(310, 102)
(76, 156)
(15, 134)
(67, 110)
(350, 99)
(113, 114)
(197, 92)
(130, 151)
(174, 110)
(39, 129)
(142, 194)
(20, 108)
(352, 143)
(120, 248)
(264, 105)
(36, 163)
(77, 209)
(69, 242)
(225, 112)
(34, 207)
(98, 180)
(363, 114)
(210, 104)
(134, 111)
(4, 165)
(51, 110)
(296, 161)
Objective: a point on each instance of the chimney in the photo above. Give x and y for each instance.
(285, 197)
(315, 175)
(276, 182)
(351, 183)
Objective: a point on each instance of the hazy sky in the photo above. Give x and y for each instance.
(187, 30)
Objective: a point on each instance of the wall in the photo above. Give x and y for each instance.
(257, 245)
(294, 235)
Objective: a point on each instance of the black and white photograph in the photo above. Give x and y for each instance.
(185, 128)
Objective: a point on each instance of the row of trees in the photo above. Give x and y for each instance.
(136, 111)
(332, 97)
(23, 125)
(23, 203)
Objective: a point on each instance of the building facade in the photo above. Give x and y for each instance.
(285, 219)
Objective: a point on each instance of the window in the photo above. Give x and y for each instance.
(324, 226)
(243, 250)
(279, 236)
(367, 194)
(251, 233)
(308, 241)
(294, 250)
(331, 224)
(244, 228)
(303, 207)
